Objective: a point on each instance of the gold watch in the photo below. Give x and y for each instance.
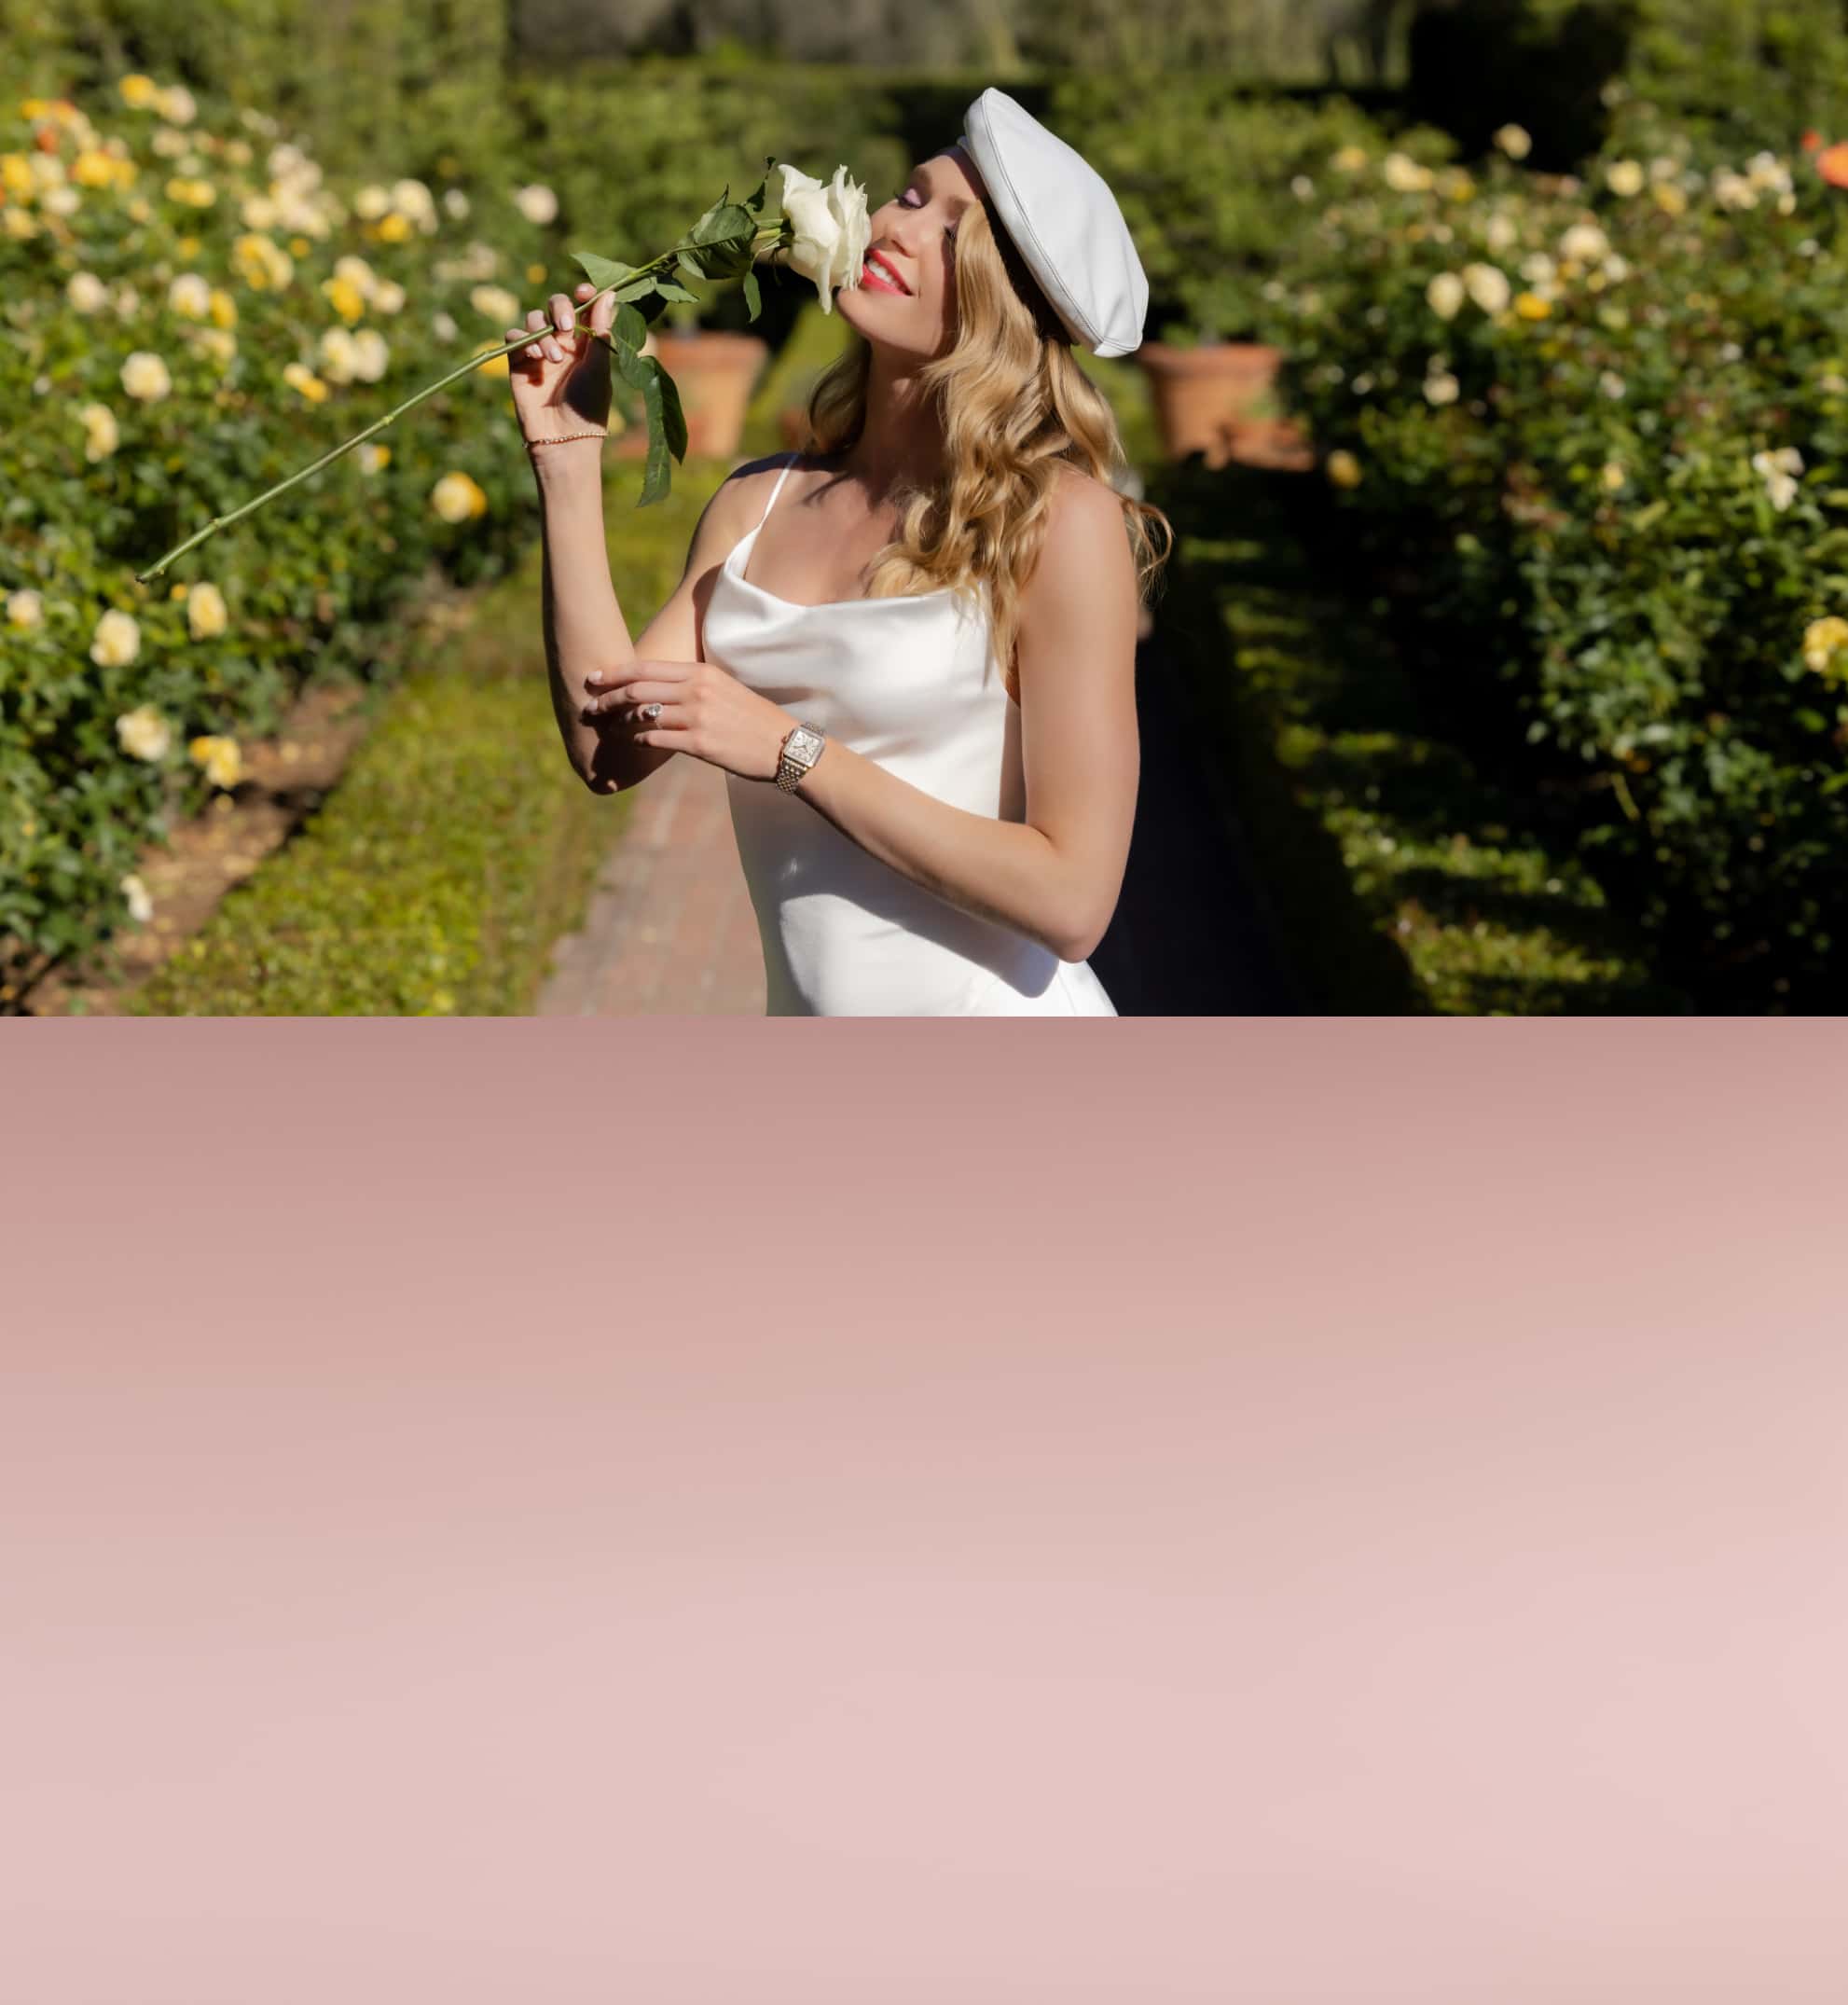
(801, 748)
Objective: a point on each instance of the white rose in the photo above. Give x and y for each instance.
(25, 609)
(358, 274)
(190, 294)
(206, 614)
(259, 211)
(370, 203)
(339, 357)
(140, 907)
(175, 104)
(1625, 177)
(87, 293)
(1584, 241)
(1488, 286)
(371, 357)
(1502, 233)
(443, 326)
(115, 643)
(1441, 389)
(1514, 141)
(1445, 295)
(389, 298)
(496, 303)
(60, 202)
(537, 204)
(145, 733)
(456, 202)
(145, 376)
(829, 229)
(413, 200)
(1401, 172)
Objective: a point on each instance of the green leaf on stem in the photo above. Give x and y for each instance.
(752, 294)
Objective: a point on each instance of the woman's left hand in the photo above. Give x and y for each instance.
(704, 711)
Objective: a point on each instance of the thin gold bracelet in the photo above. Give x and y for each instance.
(564, 438)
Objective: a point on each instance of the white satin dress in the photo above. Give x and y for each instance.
(906, 680)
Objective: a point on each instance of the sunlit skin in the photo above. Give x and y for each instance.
(1054, 876)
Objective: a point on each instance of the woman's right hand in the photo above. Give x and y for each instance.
(561, 379)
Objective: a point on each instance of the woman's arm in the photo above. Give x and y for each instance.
(1056, 874)
(583, 624)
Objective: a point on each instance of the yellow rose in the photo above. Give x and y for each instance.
(25, 609)
(1625, 177)
(18, 222)
(1670, 199)
(345, 297)
(223, 308)
(1614, 477)
(495, 366)
(1822, 640)
(221, 757)
(103, 435)
(394, 228)
(1343, 469)
(1530, 306)
(116, 642)
(457, 498)
(298, 375)
(206, 616)
(137, 91)
(94, 169)
(145, 376)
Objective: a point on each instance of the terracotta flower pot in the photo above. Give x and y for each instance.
(1206, 397)
(714, 372)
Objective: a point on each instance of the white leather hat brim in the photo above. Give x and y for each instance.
(1061, 216)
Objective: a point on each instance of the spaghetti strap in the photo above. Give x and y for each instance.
(788, 463)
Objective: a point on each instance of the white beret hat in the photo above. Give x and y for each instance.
(1059, 211)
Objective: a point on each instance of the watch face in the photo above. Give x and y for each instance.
(804, 744)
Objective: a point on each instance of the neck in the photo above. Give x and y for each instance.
(902, 442)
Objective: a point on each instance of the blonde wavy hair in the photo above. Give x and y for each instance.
(1014, 403)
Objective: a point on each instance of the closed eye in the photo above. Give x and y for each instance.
(903, 203)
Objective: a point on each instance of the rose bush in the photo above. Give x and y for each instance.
(191, 308)
(1590, 430)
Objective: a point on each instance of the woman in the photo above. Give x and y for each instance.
(912, 650)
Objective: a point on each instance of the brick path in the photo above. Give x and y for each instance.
(669, 931)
